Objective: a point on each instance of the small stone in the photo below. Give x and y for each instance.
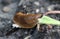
(27, 37)
(42, 9)
(24, 6)
(50, 8)
(36, 3)
(15, 25)
(37, 10)
(9, 22)
(26, 32)
(6, 9)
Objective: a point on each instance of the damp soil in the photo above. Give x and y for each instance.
(8, 32)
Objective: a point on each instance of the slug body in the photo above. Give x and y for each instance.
(26, 20)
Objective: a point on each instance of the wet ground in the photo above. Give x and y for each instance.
(27, 6)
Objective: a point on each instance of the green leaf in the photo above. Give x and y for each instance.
(48, 20)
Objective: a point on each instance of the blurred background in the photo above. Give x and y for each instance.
(8, 8)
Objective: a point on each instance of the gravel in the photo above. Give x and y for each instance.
(27, 6)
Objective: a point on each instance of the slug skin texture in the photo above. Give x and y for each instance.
(26, 20)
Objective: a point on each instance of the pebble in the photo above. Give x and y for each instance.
(37, 10)
(15, 25)
(50, 8)
(6, 9)
(27, 37)
(36, 3)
